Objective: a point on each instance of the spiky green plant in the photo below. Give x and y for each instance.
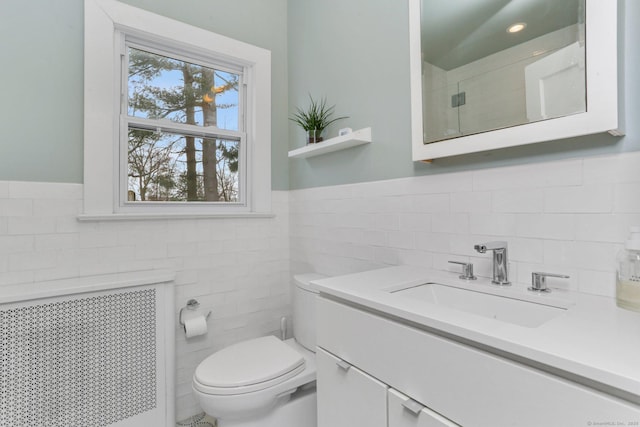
(317, 117)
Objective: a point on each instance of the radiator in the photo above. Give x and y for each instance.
(101, 358)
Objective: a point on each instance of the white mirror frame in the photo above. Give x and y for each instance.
(603, 107)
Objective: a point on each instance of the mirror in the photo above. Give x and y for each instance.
(499, 63)
(487, 74)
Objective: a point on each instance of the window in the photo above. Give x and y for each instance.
(187, 130)
(184, 125)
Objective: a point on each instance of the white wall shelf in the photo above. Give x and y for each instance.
(358, 137)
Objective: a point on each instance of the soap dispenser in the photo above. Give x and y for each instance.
(628, 274)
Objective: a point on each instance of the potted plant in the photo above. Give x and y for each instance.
(315, 119)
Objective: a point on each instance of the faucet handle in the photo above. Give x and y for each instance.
(490, 246)
(539, 281)
(479, 248)
(467, 270)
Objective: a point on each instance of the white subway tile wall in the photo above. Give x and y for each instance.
(569, 216)
(238, 268)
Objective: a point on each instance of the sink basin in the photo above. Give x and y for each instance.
(504, 308)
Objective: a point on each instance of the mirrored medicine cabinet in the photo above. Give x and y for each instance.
(490, 74)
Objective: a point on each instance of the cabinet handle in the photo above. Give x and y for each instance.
(343, 365)
(412, 406)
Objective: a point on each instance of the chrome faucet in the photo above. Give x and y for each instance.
(499, 248)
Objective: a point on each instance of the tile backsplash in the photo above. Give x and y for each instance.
(568, 216)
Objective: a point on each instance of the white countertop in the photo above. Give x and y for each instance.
(593, 338)
(82, 284)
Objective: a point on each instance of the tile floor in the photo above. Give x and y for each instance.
(197, 421)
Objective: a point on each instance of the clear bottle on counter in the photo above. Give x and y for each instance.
(628, 273)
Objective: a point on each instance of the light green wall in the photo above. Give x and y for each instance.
(41, 90)
(41, 78)
(355, 53)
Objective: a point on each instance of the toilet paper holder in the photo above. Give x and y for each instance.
(192, 305)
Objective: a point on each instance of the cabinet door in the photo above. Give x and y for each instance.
(406, 412)
(347, 397)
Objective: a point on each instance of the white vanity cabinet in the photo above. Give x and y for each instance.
(458, 382)
(348, 397)
(406, 412)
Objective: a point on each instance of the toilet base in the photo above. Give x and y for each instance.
(299, 411)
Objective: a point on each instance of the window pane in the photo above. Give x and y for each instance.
(164, 166)
(160, 87)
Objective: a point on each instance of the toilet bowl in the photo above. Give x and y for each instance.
(264, 381)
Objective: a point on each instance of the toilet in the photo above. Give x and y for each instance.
(265, 382)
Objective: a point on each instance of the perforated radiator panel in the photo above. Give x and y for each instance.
(86, 361)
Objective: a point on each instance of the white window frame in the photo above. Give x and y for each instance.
(107, 23)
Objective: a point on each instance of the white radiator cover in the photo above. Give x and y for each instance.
(89, 357)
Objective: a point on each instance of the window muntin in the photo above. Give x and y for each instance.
(184, 130)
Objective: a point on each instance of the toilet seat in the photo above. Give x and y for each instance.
(248, 366)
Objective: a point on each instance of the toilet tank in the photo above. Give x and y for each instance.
(304, 309)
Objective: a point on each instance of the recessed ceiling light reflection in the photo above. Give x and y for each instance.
(517, 27)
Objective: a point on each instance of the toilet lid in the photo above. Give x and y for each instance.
(262, 361)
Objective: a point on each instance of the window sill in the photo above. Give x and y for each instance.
(169, 216)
